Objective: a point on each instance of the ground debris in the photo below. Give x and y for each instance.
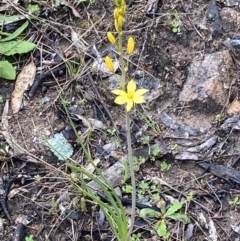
(221, 171)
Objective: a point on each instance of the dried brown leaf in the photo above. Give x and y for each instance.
(24, 80)
(74, 11)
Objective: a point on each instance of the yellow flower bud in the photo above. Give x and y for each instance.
(130, 45)
(111, 38)
(109, 63)
(116, 13)
(123, 8)
(116, 25)
(119, 2)
(120, 22)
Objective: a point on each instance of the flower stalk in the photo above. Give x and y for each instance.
(127, 95)
(132, 175)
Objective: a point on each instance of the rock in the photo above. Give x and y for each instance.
(234, 108)
(230, 19)
(208, 79)
(231, 3)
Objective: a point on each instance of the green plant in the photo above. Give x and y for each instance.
(169, 213)
(218, 118)
(128, 96)
(112, 131)
(174, 147)
(189, 197)
(29, 238)
(136, 237)
(37, 178)
(174, 21)
(115, 213)
(147, 190)
(91, 1)
(137, 162)
(54, 206)
(127, 189)
(41, 101)
(164, 166)
(235, 201)
(34, 9)
(155, 153)
(9, 46)
(82, 101)
(1, 99)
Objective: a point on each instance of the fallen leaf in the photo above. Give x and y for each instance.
(74, 11)
(24, 80)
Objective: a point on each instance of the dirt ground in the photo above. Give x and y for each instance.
(169, 36)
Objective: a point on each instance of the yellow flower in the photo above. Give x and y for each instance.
(111, 38)
(130, 45)
(109, 63)
(132, 96)
(116, 13)
(119, 23)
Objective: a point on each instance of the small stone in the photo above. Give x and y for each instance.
(233, 108)
(48, 133)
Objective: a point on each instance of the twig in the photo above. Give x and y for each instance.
(101, 100)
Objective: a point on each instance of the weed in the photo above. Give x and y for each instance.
(174, 21)
(164, 166)
(174, 147)
(29, 238)
(82, 101)
(166, 68)
(127, 189)
(66, 102)
(136, 237)
(170, 213)
(218, 118)
(112, 131)
(155, 153)
(54, 207)
(189, 197)
(235, 201)
(41, 101)
(137, 162)
(37, 178)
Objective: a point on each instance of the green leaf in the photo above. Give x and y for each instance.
(10, 19)
(149, 213)
(177, 216)
(162, 230)
(7, 71)
(16, 47)
(16, 33)
(175, 207)
(34, 9)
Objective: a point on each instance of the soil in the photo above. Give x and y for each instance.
(40, 198)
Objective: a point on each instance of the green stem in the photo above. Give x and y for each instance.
(122, 64)
(132, 175)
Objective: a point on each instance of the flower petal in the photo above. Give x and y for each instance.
(120, 100)
(138, 99)
(131, 87)
(119, 92)
(140, 92)
(130, 45)
(109, 64)
(129, 105)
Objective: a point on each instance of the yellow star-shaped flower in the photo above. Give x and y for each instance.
(132, 96)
